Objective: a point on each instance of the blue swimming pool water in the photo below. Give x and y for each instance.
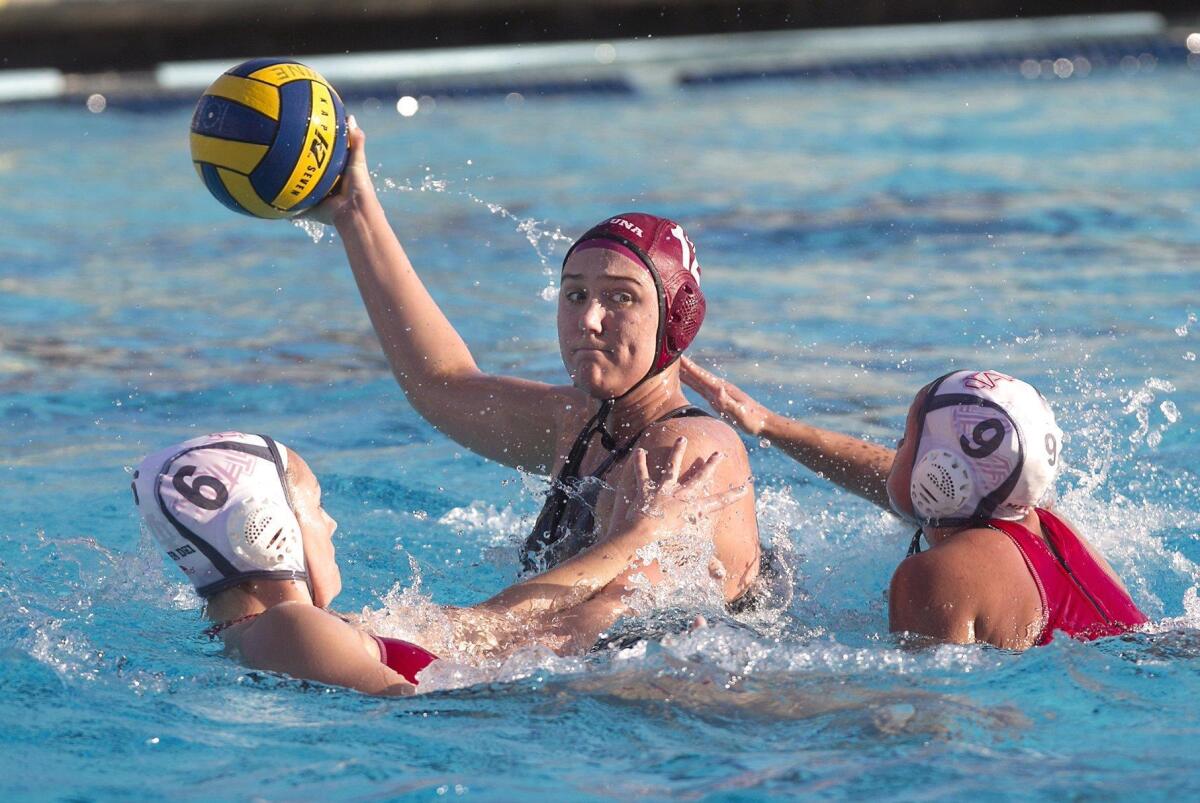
(857, 239)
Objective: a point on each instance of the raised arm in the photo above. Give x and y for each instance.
(854, 464)
(506, 419)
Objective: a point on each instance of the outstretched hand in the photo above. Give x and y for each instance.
(355, 185)
(675, 499)
(731, 402)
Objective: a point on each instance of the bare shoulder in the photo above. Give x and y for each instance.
(953, 570)
(973, 586)
(925, 574)
(704, 433)
(735, 528)
(291, 626)
(567, 412)
(292, 615)
(930, 594)
(565, 406)
(976, 555)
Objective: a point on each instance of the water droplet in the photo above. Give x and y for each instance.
(1154, 383)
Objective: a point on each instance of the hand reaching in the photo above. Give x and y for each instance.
(730, 401)
(675, 500)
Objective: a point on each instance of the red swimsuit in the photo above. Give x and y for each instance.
(403, 657)
(1078, 596)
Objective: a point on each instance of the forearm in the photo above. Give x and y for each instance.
(854, 464)
(575, 631)
(575, 580)
(421, 345)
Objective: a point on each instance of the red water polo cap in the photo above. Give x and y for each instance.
(669, 254)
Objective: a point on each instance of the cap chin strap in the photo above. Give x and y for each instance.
(914, 548)
(601, 418)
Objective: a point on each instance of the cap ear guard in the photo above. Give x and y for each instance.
(265, 535)
(942, 485)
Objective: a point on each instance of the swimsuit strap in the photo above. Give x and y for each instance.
(569, 477)
(687, 411)
(221, 627)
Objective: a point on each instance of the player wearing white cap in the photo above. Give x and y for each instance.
(241, 517)
(975, 472)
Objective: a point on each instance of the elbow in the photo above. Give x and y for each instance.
(434, 394)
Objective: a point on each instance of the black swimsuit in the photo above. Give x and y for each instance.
(567, 524)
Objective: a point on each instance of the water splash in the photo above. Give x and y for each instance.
(1138, 402)
(498, 526)
(543, 238)
(313, 228)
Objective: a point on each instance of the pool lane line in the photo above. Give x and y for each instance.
(647, 64)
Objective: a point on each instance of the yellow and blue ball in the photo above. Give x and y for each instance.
(269, 138)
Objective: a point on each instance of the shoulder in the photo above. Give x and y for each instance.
(705, 435)
(567, 407)
(566, 410)
(702, 432)
(935, 594)
(924, 576)
(977, 555)
(290, 627)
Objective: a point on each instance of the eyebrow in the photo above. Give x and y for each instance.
(607, 276)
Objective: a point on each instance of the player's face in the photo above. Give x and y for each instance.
(317, 528)
(607, 321)
(899, 479)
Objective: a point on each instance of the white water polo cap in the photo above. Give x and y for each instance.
(220, 507)
(988, 448)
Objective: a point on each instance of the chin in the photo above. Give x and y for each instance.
(597, 390)
(590, 379)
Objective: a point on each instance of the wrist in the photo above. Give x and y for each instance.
(634, 533)
(354, 211)
(769, 425)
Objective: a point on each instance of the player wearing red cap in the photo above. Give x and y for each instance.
(629, 304)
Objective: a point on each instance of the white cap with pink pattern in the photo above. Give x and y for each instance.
(988, 448)
(221, 508)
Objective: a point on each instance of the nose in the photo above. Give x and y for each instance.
(592, 318)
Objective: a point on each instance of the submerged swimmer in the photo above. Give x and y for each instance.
(630, 303)
(975, 472)
(241, 516)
